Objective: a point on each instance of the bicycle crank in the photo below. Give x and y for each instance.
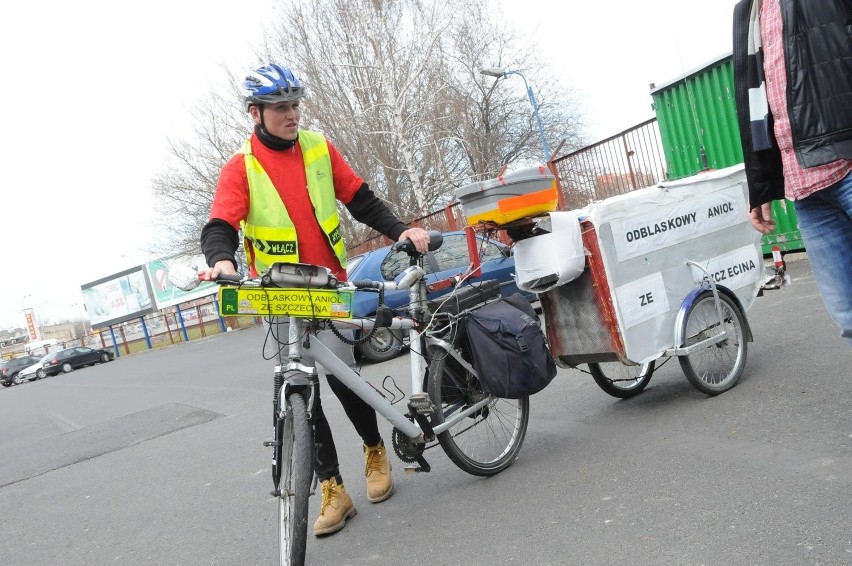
(410, 452)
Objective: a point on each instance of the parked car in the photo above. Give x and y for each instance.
(10, 369)
(450, 259)
(73, 358)
(33, 372)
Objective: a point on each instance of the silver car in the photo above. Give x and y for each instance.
(30, 373)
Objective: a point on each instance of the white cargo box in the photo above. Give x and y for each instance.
(627, 300)
(515, 195)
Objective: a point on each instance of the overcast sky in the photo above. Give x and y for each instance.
(92, 89)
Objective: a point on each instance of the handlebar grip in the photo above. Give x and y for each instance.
(435, 240)
(366, 284)
(229, 278)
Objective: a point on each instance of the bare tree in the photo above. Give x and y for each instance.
(373, 73)
(185, 186)
(395, 85)
(495, 124)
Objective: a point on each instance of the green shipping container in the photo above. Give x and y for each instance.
(697, 118)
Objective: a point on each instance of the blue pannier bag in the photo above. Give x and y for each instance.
(509, 348)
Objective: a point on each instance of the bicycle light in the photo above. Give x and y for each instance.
(299, 275)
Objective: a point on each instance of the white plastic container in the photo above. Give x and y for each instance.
(551, 259)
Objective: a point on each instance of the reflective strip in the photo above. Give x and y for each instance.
(269, 227)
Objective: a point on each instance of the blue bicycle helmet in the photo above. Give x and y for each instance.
(271, 84)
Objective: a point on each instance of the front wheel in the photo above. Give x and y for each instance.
(295, 483)
(620, 380)
(487, 441)
(104, 358)
(18, 379)
(717, 367)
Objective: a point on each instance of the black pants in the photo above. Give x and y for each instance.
(363, 417)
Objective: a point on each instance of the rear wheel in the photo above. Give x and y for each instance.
(717, 367)
(620, 380)
(487, 441)
(295, 484)
(67, 367)
(104, 358)
(18, 379)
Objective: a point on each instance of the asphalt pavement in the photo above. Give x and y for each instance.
(157, 459)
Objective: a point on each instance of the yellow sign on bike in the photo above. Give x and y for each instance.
(305, 303)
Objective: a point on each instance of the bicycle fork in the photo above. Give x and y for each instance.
(301, 380)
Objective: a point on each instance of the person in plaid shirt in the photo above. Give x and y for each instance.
(793, 87)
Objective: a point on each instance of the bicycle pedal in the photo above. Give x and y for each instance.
(423, 467)
(420, 404)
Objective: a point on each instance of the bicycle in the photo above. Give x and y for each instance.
(481, 434)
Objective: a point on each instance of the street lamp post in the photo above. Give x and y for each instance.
(503, 73)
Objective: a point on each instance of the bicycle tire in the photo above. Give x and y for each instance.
(621, 380)
(295, 483)
(718, 367)
(488, 441)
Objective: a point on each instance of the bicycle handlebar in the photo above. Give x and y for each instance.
(403, 281)
(284, 275)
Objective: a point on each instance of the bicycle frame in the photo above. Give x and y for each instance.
(322, 355)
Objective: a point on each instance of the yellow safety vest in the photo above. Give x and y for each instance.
(269, 227)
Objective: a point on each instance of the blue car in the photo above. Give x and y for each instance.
(449, 260)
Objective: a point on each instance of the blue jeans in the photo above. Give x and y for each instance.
(825, 220)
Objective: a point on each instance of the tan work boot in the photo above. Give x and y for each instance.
(336, 507)
(378, 471)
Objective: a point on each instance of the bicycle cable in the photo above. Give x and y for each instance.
(365, 338)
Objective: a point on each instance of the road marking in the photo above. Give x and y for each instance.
(64, 424)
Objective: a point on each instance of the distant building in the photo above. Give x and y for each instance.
(64, 331)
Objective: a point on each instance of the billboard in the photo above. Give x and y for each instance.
(117, 298)
(32, 326)
(165, 294)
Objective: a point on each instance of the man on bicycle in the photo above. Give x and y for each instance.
(281, 189)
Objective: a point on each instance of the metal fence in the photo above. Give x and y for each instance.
(627, 161)
(158, 330)
(632, 159)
